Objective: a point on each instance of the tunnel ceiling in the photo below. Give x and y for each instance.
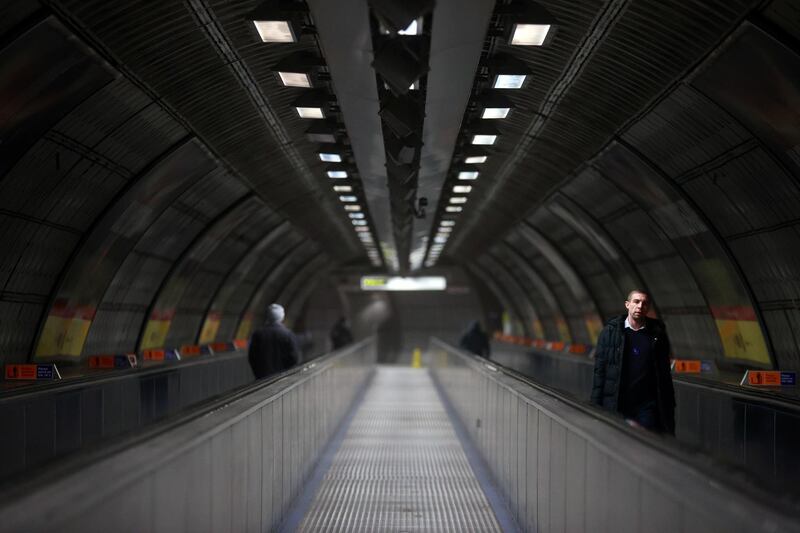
(157, 183)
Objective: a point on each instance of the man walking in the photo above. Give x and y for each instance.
(632, 369)
(273, 348)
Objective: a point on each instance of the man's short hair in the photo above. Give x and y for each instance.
(634, 291)
(275, 313)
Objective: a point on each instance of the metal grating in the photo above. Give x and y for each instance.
(400, 467)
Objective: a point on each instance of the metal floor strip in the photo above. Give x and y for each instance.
(400, 466)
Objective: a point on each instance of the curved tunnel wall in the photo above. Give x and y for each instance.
(121, 230)
(697, 202)
(695, 199)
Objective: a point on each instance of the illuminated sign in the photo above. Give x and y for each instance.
(397, 283)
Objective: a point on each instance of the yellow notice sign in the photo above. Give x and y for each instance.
(155, 333)
(209, 331)
(742, 339)
(245, 327)
(63, 336)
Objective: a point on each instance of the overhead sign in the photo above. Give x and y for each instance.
(398, 283)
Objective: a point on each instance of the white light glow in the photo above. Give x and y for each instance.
(274, 31)
(476, 159)
(330, 158)
(462, 188)
(310, 112)
(509, 81)
(529, 34)
(337, 174)
(468, 175)
(447, 223)
(495, 112)
(359, 222)
(397, 283)
(352, 207)
(361, 228)
(356, 215)
(453, 208)
(484, 139)
(410, 30)
(348, 198)
(342, 188)
(440, 240)
(445, 230)
(458, 200)
(295, 79)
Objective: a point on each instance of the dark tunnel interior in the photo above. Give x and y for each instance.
(170, 169)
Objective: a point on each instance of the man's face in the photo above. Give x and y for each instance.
(637, 305)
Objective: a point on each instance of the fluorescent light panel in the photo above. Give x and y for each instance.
(495, 112)
(310, 112)
(359, 222)
(475, 159)
(361, 228)
(453, 208)
(447, 223)
(348, 198)
(352, 207)
(462, 188)
(484, 139)
(529, 34)
(330, 158)
(458, 200)
(274, 31)
(468, 175)
(295, 79)
(509, 81)
(356, 215)
(342, 188)
(337, 174)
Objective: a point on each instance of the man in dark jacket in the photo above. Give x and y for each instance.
(273, 348)
(340, 334)
(475, 340)
(632, 368)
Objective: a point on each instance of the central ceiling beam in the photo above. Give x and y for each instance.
(343, 30)
(457, 40)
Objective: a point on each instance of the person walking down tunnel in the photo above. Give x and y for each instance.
(475, 340)
(632, 369)
(273, 347)
(340, 334)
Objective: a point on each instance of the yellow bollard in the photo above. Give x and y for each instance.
(416, 358)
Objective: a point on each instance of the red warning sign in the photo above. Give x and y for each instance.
(764, 378)
(687, 366)
(21, 371)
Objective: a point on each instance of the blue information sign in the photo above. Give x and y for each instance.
(789, 378)
(46, 372)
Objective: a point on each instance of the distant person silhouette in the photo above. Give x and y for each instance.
(341, 335)
(475, 340)
(273, 348)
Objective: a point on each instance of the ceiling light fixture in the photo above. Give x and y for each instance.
(278, 21)
(348, 198)
(462, 188)
(298, 69)
(447, 223)
(356, 215)
(494, 106)
(458, 200)
(312, 104)
(475, 159)
(508, 72)
(352, 207)
(468, 175)
(453, 209)
(342, 188)
(337, 174)
(528, 23)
